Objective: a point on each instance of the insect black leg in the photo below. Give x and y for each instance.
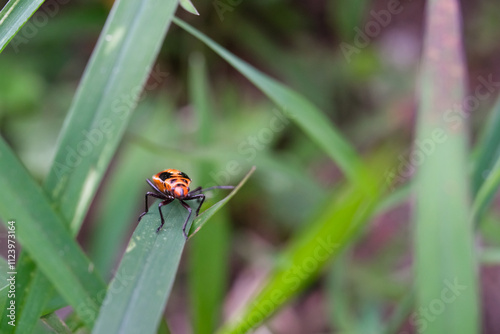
(197, 190)
(187, 219)
(146, 200)
(165, 202)
(153, 186)
(202, 197)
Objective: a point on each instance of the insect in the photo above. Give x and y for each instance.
(173, 184)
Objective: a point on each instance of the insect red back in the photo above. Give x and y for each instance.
(172, 181)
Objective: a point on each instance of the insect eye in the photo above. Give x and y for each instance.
(165, 175)
(185, 175)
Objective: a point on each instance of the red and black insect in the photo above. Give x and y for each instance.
(171, 184)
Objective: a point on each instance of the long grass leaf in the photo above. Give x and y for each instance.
(139, 291)
(446, 274)
(13, 16)
(142, 284)
(106, 96)
(44, 235)
(307, 254)
(189, 7)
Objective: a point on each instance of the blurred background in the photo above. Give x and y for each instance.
(366, 89)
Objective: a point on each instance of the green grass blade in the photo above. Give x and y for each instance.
(188, 6)
(44, 235)
(107, 94)
(13, 16)
(446, 274)
(314, 123)
(307, 254)
(139, 292)
(202, 219)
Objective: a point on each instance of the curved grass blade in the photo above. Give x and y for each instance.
(308, 252)
(322, 238)
(44, 235)
(444, 234)
(188, 7)
(139, 292)
(13, 16)
(106, 96)
(202, 219)
(314, 123)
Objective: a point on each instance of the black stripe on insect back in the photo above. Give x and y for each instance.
(165, 175)
(185, 175)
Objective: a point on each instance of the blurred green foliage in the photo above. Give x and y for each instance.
(370, 96)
